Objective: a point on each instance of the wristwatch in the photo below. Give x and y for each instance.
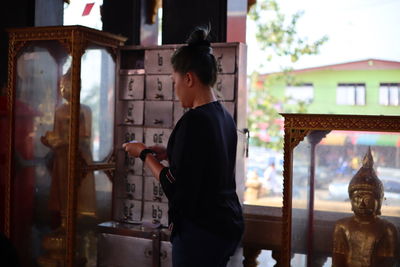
(144, 153)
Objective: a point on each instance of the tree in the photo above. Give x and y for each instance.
(278, 37)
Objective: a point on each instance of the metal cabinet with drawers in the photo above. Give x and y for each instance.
(147, 110)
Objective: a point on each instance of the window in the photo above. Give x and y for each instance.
(389, 94)
(300, 93)
(350, 94)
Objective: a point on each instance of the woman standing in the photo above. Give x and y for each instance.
(204, 211)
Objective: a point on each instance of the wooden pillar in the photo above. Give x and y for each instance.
(181, 16)
(49, 13)
(133, 19)
(122, 17)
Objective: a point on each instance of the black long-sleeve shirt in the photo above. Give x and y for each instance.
(200, 182)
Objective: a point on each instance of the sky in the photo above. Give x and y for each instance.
(357, 29)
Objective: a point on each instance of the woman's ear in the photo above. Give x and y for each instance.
(189, 78)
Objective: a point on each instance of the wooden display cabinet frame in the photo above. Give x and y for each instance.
(75, 39)
(297, 127)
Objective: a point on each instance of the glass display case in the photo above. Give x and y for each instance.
(341, 190)
(61, 102)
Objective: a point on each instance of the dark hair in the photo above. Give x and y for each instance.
(197, 56)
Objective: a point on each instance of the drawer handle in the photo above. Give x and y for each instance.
(157, 121)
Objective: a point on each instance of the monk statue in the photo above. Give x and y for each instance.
(365, 240)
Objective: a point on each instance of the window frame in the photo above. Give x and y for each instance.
(293, 99)
(352, 93)
(391, 97)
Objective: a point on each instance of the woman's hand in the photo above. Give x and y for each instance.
(161, 152)
(134, 148)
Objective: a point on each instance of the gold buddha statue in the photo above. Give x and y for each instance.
(365, 240)
(57, 140)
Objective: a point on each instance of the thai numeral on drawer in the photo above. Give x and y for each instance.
(160, 60)
(128, 211)
(130, 188)
(219, 86)
(129, 161)
(156, 213)
(129, 137)
(219, 64)
(157, 191)
(129, 119)
(158, 138)
(130, 86)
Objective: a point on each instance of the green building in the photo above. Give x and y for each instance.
(369, 86)
(365, 87)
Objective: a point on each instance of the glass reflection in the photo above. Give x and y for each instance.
(97, 93)
(300, 200)
(96, 135)
(339, 157)
(37, 96)
(58, 141)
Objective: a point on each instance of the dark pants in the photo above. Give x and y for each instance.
(193, 246)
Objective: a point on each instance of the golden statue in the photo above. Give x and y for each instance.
(58, 141)
(365, 240)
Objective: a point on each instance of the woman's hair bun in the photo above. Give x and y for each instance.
(199, 37)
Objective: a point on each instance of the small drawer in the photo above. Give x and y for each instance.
(153, 190)
(122, 251)
(178, 111)
(127, 164)
(128, 133)
(131, 87)
(130, 187)
(159, 87)
(128, 210)
(155, 212)
(226, 59)
(158, 114)
(225, 87)
(158, 61)
(130, 112)
(157, 136)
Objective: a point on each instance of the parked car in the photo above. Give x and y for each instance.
(339, 190)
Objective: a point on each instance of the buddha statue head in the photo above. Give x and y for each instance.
(366, 190)
(66, 86)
